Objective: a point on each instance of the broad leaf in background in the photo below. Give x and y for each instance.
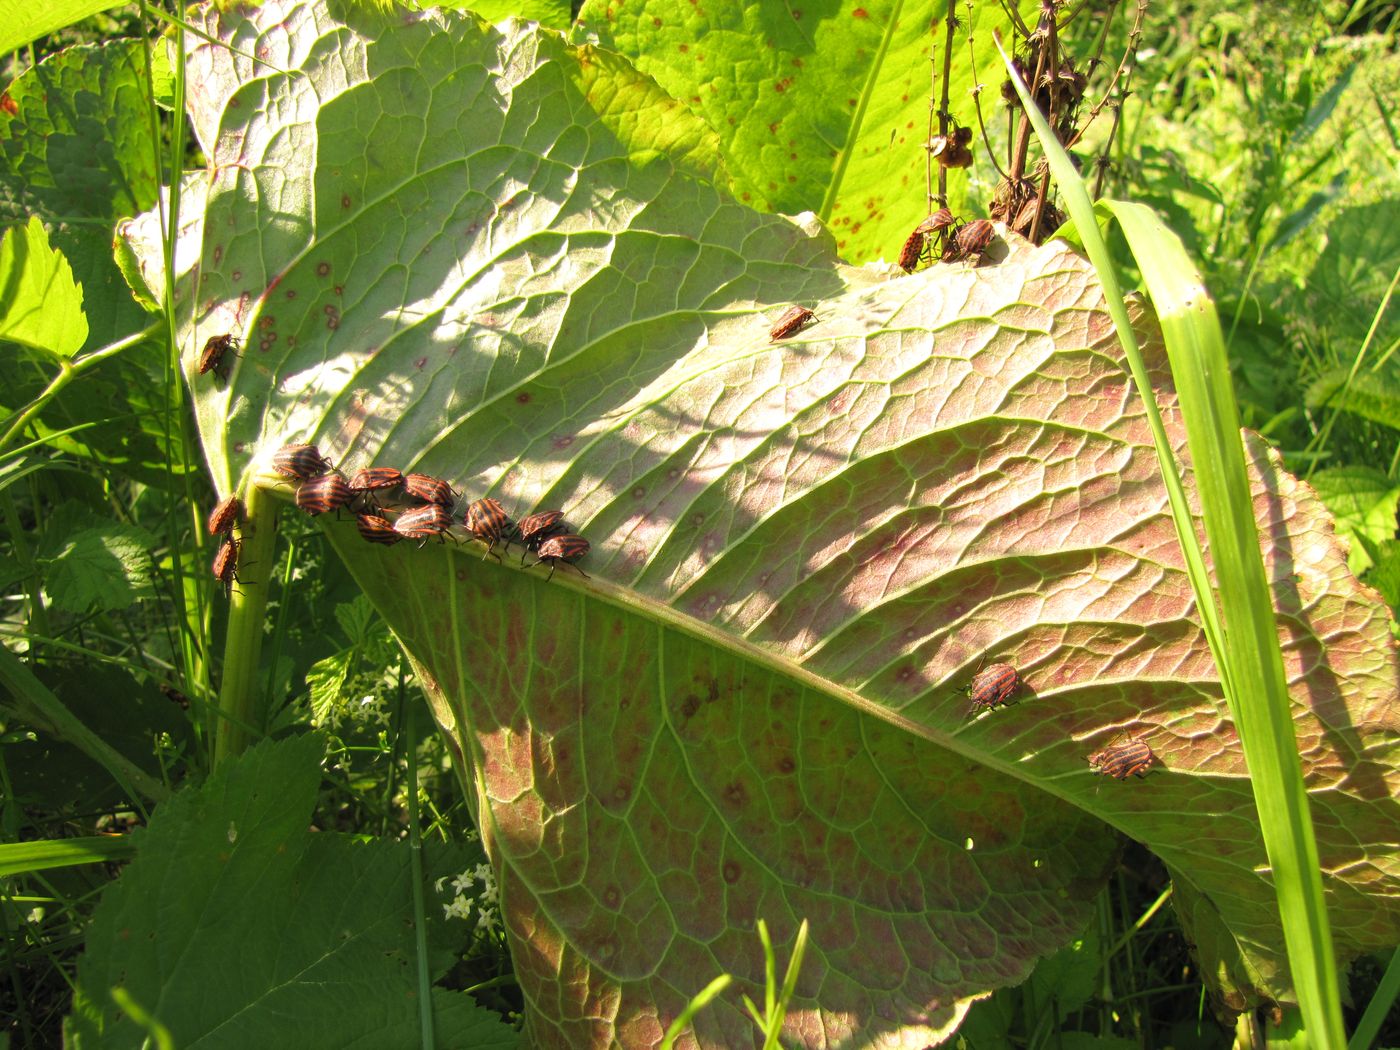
(82, 165)
(236, 926)
(102, 568)
(42, 306)
(1363, 500)
(441, 257)
(822, 107)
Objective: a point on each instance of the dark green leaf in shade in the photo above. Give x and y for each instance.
(103, 568)
(237, 926)
(1363, 500)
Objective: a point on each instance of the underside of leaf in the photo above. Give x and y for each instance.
(440, 258)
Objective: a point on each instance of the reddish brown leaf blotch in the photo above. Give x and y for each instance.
(226, 515)
(324, 494)
(300, 461)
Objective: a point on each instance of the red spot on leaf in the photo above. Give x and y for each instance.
(730, 872)
(564, 442)
(736, 794)
(345, 200)
(8, 104)
(684, 48)
(656, 22)
(323, 268)
(860, 12)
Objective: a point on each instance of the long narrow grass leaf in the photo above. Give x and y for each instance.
(701, 1000)
(20, 858)
(1251, 665)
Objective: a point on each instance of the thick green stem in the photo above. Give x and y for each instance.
(240, 708)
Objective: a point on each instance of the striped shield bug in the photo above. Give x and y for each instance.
(377, 530)
(215, 349)
(376, 479)
(566, 548)
(537, 528)
(225, 567)
(324, 494)
(917, 246)
(368, 483)
(971, 239)
(226, 515)
(487, 520)
(429, 489)
(1127, 759)
(300, 462)
(423, 523)
(794, 319)
(993, 685)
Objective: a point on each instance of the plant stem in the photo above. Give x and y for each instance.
(239, 713)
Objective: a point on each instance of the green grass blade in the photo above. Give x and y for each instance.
(1259, 700)
(1370, 1024)
(701, 1000)
(1251, 665)
(20, 858)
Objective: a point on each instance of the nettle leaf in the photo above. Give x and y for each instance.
(822, 108)
(441, 258)
(105, 567)
(237, 926)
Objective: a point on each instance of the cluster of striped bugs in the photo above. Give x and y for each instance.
(428, 513)
(941, 235)
(998, 684)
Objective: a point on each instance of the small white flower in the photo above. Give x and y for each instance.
(486, 919)
(440, 883)
(461, 883)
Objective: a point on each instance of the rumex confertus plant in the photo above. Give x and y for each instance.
(793, 524)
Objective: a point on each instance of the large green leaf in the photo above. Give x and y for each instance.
(440, 256)
(236, 926)
(822, 107)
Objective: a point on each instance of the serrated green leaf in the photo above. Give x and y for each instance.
(42, 307)
(822, 109)
(235, 926)
(1067, 980)
(325, 680)
(1364, 501)
(802, 551)
(1371, 395)
(102, 568)
(76, 149)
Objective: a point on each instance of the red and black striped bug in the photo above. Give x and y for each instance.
(429, 489)
(212, 356)
(225, 567)
(1131, 758)
(226, 515)
(377, 530)
(423, 523)
(992, 686)
(971, 239)
(301, 462)
(566, 548)
(375, 479)
(794, 319)
(324, 494)
(488, 521)
(537, 528)
(916, 247)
